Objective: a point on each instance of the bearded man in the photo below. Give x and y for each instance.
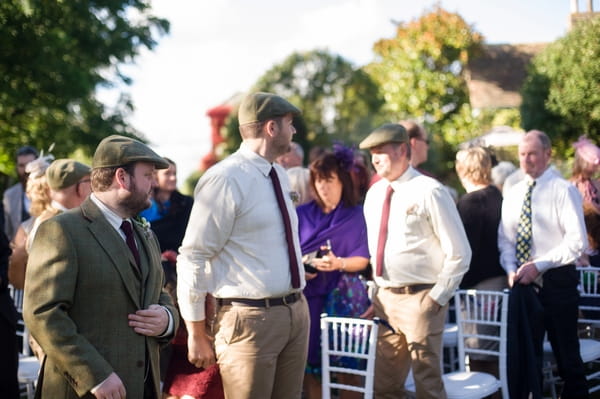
(94, 298)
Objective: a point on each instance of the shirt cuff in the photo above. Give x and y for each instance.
(440, 295)
(542, 265)
(94, 389)
(512, 267)
(169, 329)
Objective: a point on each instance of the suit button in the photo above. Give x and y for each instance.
(140, 363)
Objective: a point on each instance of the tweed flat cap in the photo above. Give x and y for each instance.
(64, 173)
(119, 150)
(259, 107)
(388, 133)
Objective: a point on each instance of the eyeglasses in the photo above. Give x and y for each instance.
(426, 141)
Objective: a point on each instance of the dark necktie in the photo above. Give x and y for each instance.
(383, 230)
(288, 229)
(524, 228)
(130, 240)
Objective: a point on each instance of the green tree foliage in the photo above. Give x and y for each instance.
(420, 72)
(55, 53)
(561, 94)
(337, 100)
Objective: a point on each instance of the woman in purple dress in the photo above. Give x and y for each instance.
(333, 237)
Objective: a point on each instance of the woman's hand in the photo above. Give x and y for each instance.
(328, 263)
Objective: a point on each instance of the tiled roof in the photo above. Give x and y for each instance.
(496, 76)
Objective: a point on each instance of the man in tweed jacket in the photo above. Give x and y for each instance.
(94, 299)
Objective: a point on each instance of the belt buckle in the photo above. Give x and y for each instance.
(285, 299)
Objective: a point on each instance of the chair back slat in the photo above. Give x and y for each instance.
(482, 328)
(589, 304)
(353, 338)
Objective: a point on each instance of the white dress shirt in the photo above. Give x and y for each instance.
(426, 242)
(235, 245)
(558, 230)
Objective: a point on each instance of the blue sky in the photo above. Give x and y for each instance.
(220, 47)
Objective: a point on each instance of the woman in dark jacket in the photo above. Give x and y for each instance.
(169, 211)
(479, 211)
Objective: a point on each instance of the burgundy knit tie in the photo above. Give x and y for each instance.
(383, 230)
(128, 230)
(288, 229)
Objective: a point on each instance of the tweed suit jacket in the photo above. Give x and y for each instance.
(81, 284)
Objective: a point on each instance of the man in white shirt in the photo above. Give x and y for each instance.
(241, 245)
(558, 238)
(419, 258)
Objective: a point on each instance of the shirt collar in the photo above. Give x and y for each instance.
(408, 174)
(113, 219)
(548, 174)
(259, 162)
(58, 206)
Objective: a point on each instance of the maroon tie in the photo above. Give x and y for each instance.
(128, 230)
(383, 230)
(288, 229)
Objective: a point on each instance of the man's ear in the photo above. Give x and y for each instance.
(271, 127)
(122, 178)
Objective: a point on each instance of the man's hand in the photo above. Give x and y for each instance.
(111, 388)
(150, 322)
(200, 347)
(527, 273)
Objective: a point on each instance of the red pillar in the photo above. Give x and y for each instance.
(217, 117)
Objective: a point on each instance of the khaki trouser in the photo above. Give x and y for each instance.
(417, 343)
(262, 352)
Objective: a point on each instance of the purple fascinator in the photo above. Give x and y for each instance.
(587, 150)
(344, 155)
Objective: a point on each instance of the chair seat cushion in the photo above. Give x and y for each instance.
(450, 335)
(588, 348)
(29, 367)
(470, 385)
(463, 385)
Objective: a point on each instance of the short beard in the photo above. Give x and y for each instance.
(135, 203)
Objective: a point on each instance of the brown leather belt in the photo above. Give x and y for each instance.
(409, 289)
(260, 303)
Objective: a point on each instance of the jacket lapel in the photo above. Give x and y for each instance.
(114, 247)
(151, 263)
